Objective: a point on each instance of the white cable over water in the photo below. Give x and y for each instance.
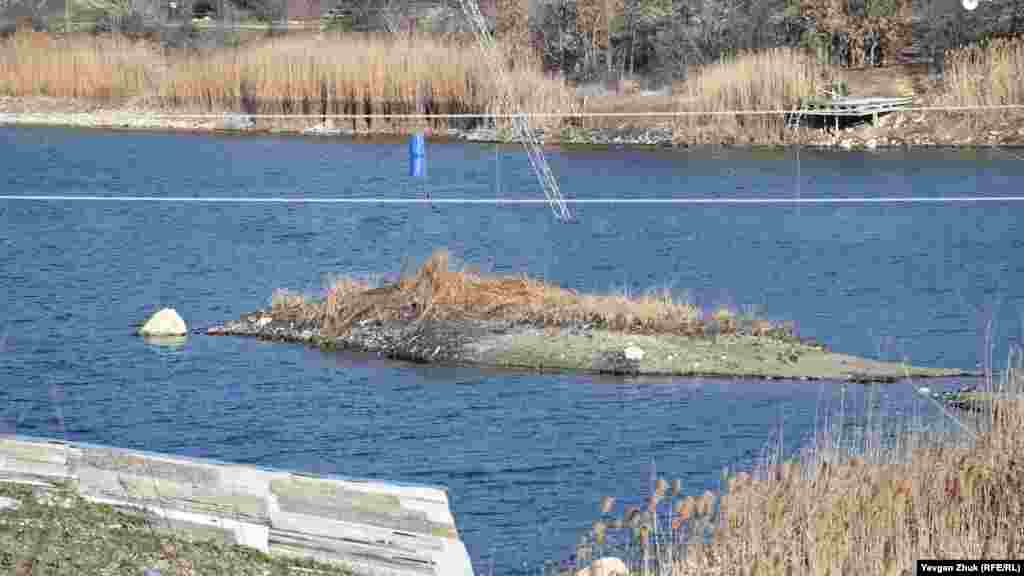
(378, 200)
(532, 144)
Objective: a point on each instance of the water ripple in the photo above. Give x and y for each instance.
(520, 453)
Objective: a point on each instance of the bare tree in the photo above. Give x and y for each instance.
(596, 21)
(943, 24)
(554, 25)
(20, 12)
(512, 26)
(859, 32)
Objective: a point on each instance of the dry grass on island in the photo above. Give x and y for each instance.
(435, 291)
(871, 504)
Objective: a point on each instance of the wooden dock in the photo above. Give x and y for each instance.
(846, 107)
(372, 527)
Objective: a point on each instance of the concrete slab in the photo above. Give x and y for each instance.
(373, 527)
(6, 503)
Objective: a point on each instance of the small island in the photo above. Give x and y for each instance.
(439, 315)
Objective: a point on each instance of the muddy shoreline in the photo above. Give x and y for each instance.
(897, 130)
(581, 348)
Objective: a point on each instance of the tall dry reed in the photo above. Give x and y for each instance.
(297, 74)
(872, 506)
(37, 64)
(352, 74)
(985, 74)
(774, 79)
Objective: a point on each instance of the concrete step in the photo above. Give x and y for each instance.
(371, 526)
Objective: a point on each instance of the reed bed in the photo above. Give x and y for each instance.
(874, 506)
(985, 74)
(774, 79)
(306, 74)
(988, 74)
(345, 74)
(438, 292)
(104, 68)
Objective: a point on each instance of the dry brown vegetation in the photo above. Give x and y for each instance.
(874, 511)
(776, 79)
(347, 74)
(989, 74)
(985, 75)
(299, 74)
(37, 64)
(371, 74)
(436, 291)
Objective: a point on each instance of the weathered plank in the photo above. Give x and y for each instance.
(853, 106)
(373, 527)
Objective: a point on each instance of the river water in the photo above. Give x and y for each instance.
(526, 457)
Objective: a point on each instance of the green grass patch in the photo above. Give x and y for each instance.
(58, 533)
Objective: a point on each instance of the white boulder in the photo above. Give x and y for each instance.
(609, 566)
(634, 353)
(166, 322)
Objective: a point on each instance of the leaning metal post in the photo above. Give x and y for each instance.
(534, 150)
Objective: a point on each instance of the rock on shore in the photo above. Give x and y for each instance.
(166, 322)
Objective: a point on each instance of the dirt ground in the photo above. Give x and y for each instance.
(889, 81)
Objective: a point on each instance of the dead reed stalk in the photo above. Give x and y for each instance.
(922, 495)
(774, 79)
(106, 68)
(297, 74)
(988, 74)
(437, 291)
(985, 74)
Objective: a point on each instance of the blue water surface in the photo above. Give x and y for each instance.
(526, 457)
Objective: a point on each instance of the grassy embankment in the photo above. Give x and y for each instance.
(58, 533)
(870, 506)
